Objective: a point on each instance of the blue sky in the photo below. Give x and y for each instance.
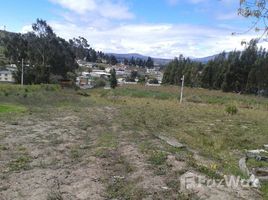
(160, 28)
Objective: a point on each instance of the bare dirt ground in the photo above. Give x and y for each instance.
(69, 155)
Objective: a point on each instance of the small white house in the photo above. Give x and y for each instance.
(6, 76)
(100, 74)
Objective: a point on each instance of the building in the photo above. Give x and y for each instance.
(85, 81)
(6, 76)
(100, 74)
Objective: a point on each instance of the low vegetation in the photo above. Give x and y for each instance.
(110, 136)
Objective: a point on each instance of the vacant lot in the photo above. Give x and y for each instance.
(105, 144)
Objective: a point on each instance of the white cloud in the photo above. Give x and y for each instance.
(27, 28)
(96, 20)
(228, 16)
(175, 2)
(81, 6)
(197, 1)
(99, 8)
(158, 40)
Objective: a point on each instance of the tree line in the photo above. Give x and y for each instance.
(47, 57)
(237, 71)
(142, 63)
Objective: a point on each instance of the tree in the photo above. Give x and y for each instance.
(134, 74)
(113, 80)
(80, 47)
(153, 81)
(132, 61)
(45, 55)
(126, 61)
(149, 63)
(255, 9)
(113, 60)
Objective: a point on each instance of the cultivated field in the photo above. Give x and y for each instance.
(105, 144)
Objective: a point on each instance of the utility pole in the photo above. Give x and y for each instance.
(182, 86)
(22, 71)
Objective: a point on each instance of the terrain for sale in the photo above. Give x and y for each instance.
(105, 144)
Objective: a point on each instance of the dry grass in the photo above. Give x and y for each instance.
(74, 129)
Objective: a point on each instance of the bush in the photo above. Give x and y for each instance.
(129, 79)
(195, 99)
(55, 79)
(100, 83)
(142, 79)
(158, 158)
(84, 94)
(231, 109)
(153, 81)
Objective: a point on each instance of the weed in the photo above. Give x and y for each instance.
(54, 195)
(122, 189)
(231, 109)
(75, 153)
(84, 94)
(158, 158)
(21, 163)
(10, 108)
(264, 190)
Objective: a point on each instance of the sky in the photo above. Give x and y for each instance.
(157, 28)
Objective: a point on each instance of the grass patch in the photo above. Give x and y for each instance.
(106, 142)
(264, 190)
(54, 195)
(75, 153)
(21, 163)
(9, 108)
(252, 163)
(121, 189)
(158, 158)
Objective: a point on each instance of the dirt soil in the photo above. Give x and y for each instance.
(76, 156)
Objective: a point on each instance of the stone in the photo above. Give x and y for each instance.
(254, 182)
(171, 141)
(243, 166)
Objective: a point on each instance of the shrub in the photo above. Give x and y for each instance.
(153, 81)
(231, 109)
(84, 94)
(158, 158)
(194, 99)
(55, 79)
(142, 79)
(100, 83)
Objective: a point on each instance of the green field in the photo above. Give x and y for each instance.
(113, 136)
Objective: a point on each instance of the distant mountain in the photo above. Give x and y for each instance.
(121, 57)
(159, 61)
(205, 59)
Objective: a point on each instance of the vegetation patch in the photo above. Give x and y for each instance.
(158, 158)
(264, 190)
(20, 163)
(231, 109)
(9, 108)
(122, 189)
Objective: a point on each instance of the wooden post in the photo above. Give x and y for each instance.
(22, 71)
(182, 86)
